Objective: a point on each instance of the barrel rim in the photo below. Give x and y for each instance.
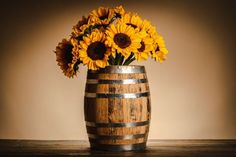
(124, 69)
(125, 66)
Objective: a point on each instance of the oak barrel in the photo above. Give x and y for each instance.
(117, 108)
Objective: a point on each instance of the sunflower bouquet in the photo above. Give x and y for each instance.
(109, 36)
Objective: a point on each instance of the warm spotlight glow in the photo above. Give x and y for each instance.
(189, 91)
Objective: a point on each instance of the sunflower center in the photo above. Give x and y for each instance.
(142, 48)
(68, 54)
(132, 25)
(96, 50)
(118, 15)
(122, 40)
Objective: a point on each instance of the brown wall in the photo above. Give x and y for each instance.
(193, 92)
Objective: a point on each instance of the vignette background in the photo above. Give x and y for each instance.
(193, 92)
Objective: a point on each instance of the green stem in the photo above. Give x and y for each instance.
(129, 61)
(117, 58)
(129, 58)
(121, 60)
(111, 60)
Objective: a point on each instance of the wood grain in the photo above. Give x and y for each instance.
(116, 109)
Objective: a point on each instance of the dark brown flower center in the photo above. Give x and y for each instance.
(68, 53)
(132, 25)
(96, 50)
(105, 16)
(122, 40)
(142, 48)
(118, 15)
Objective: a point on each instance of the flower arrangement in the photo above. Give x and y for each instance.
(109, 36)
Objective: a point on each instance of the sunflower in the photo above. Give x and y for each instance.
(119, 11)
(146, 25)
(123, 39)
(160, 51)
(102, 15)
(153, 33)
(145, 49)
(151, 30)
(65, 58)
(132, 20)
(80, 27)
(93, 51)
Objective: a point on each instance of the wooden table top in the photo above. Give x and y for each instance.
(165, 148)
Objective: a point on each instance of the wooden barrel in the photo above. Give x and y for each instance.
(117, 108)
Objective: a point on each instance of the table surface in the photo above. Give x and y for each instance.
(165, 148)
